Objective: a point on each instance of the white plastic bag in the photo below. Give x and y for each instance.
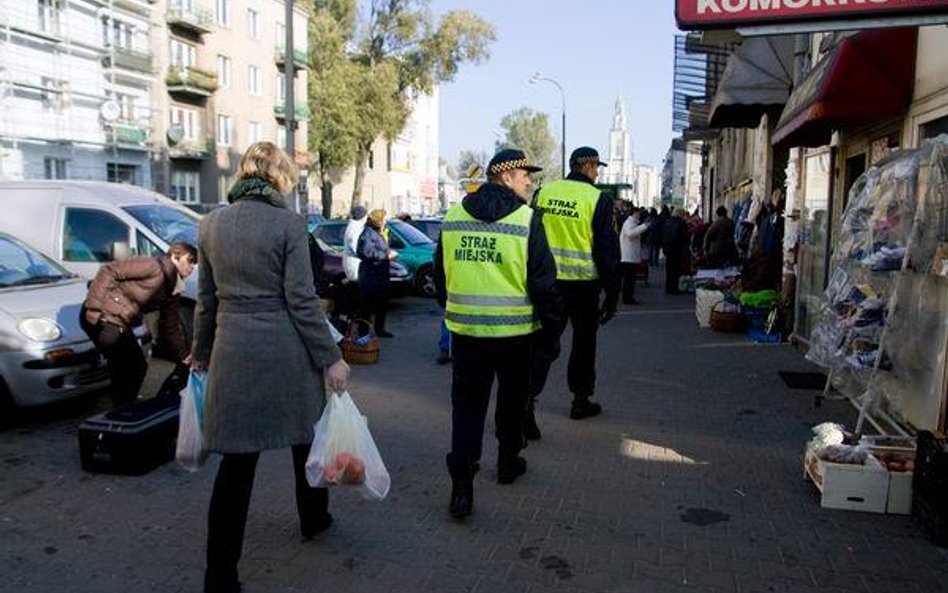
(190, 451)
(343, 451)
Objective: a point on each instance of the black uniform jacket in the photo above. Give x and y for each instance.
(490, 203)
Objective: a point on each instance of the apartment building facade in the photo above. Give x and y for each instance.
(75, 83)
(222, 88)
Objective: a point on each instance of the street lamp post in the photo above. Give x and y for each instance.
(537, 77)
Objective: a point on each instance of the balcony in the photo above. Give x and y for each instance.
(301, 112)
(191, 82)
(139, 6)
(130, 59)
(127, 133)
(196, 21)
(300, 58)
(192, 150)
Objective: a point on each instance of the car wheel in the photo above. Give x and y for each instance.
(424, 282)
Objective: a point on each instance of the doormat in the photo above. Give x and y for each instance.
(795, 380)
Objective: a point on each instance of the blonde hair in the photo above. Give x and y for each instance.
(268, 162)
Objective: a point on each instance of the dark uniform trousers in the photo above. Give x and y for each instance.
(476, 362)
(581, 300)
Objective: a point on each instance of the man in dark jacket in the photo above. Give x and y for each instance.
(496, 278)
(580, 227)
(718, 245)
(119, 296)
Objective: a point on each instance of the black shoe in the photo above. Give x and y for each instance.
(443, 357)
(508, 470)
(462, 498)
(211, 585)
(318, 526)
(384, 334)
(583, 408)
(530, 428)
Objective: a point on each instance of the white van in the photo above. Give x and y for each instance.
(83, 224)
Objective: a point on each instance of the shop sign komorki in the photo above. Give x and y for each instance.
(713, 14)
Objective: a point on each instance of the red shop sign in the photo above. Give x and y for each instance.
(712, 14)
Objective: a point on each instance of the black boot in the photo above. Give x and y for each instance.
(510, 468)
(583, 408)
(462, 489)
(530, 428)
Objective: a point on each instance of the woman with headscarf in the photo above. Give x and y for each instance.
(263, 338)
(374, 253)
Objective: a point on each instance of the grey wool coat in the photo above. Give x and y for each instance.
(259, 326)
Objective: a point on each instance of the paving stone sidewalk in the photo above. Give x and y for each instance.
(691, 480)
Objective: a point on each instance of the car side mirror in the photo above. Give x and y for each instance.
(119, 250)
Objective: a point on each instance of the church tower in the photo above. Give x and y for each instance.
(621, 160)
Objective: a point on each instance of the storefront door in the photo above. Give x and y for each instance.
(811, 272)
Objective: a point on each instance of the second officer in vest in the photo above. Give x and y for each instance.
(496, 278)
(581, 232)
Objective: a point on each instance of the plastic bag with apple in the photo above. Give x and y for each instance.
(343, 451)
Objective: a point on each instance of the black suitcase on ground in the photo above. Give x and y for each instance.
(132, 439)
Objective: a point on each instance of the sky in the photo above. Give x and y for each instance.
(596, 51)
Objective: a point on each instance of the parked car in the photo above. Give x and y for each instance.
(429, 226)
(44, 354)
(335, 274)
(83, 224)
(314, 220)
(415, 249)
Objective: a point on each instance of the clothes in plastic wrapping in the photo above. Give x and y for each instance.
(190, 452)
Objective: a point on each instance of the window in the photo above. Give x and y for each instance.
(47, 14)
(371, 159)
(117, 33)
(90, 235)
(54, 168)
(281, 89)
(934, 128)
(120, 173)
(222, 14)
(223, 71)
(55, 97)
(253, 23)
(281, 136)
(280, 29)
(145, 246)
(225, 130)
(253, 80)
(186, 186)
(254, 132)
(188, 120)
(183, 55)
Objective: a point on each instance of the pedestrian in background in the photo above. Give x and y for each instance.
(119, 296)
(374, 255)
(656, 235)
(263, 338)
(496, 278)
(630, 244)
(580, 227)
(719, 247)
(675, 247)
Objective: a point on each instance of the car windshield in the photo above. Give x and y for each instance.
(170, 224)
(409, 233)
(21, 265)
(331, 233)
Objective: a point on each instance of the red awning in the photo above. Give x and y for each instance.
(867, 76)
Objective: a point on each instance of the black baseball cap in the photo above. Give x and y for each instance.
(585, 154)
(508, 159)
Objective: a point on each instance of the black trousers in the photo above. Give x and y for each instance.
(126, 361)
(230, 502)
(375, 307)
(476, 362)
(673, 269)
(582, 309)
(628, 281)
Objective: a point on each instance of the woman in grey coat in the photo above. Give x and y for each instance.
(264, 340)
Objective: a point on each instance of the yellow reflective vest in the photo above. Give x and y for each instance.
(568, 207)
(485, 268)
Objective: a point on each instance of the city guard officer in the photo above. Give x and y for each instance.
(581, 232)
(496, 278)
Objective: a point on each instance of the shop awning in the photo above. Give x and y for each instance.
(867, 76)
(757, 80)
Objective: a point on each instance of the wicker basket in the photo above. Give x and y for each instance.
(360, 347)
(726, 321)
